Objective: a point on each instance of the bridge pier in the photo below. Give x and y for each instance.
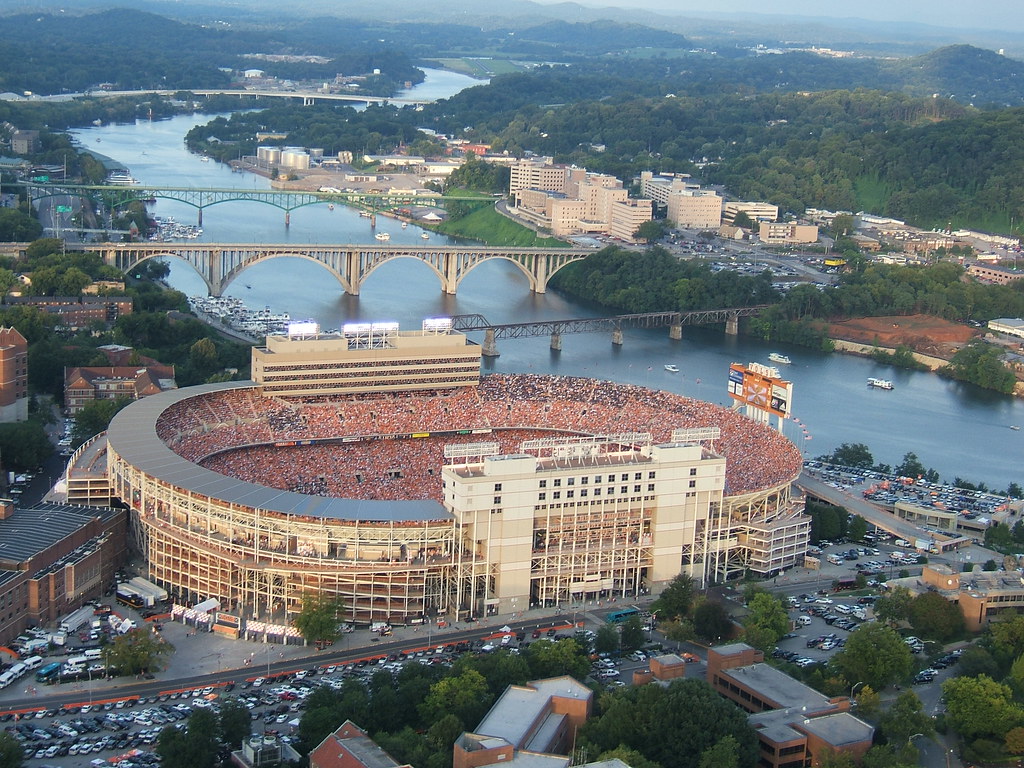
(287, 219)
(200, 217)
(556, 342)
(732, 325)
(617, 337)
(490, 346)
(675, 331)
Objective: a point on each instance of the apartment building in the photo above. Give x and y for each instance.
(13, 376)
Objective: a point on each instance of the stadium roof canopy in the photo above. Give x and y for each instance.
(132, 434)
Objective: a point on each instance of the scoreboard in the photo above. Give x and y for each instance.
(759, 387)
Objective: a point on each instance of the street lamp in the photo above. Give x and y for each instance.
(854, 687)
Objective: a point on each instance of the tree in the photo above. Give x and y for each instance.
(549, 658)
(194, 747)
(676, 600)
(11, 753)
(842, 225)
(742, 219)
(874, 654)
(857, 527)
(650, 231)
(137, 650)
(672, 726)
(317, 621)
(933, 616)
(1007, 637)
(632, 635)
(95, 417)
(977, 661)
(766, 621)
(1015, 740)
(202, 356)
(852, 455)
(235, 723)
(606, 639)
(869, 702)
(905, 718)
(24, 445)
(980, 707)
(630, 757)
(711, 621)
(724, 753)
(466, 696)
(678, 631)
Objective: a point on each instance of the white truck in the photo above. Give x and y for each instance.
(73, 621)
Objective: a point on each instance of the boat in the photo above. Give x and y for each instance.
(121, 178)
(365, 214)
(1015, 428)
(672, 368)
(405, 224)
(777, 357)
(425, 236)
(382, 236)
(880, 383)
(330, 206)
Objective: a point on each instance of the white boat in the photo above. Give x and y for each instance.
(365, 214)
(425, 236)
(405, 224)
(1015, 428)
(880, 383)
(777, 357)
(382, 236)
(672, 368)
(121, 179)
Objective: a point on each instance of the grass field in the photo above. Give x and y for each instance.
(479, 67)
(489, 226)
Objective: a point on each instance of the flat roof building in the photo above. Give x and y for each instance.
(756, 211)
(774, 233)
(366, 357)
(695, 208)
(529, 726)
(796, 726)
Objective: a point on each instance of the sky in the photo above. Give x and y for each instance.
(963, 14)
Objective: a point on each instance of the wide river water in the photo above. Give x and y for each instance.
(958, 429)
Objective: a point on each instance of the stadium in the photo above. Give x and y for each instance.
(470, 500)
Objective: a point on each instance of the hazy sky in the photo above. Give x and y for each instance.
(965, 14)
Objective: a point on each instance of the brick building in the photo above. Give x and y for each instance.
(13, 376)
(796, 726)
(78, 311)
(55, 557)
(84, 384)
(350, 747)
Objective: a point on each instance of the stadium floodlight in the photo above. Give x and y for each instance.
(696, 434)
(384, 327)
(465, 450)
(437, 325)
(356, 329)
(304, 328)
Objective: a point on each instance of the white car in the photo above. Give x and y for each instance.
(824, 601)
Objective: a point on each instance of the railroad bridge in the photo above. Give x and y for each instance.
(220, 263)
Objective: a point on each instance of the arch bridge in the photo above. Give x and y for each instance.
(116, 195)
(220, 263)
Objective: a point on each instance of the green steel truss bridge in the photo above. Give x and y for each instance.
(221, 263)
(287, 200)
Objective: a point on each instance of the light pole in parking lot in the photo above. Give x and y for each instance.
(853, 688)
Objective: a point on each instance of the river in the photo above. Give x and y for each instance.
(957, 429)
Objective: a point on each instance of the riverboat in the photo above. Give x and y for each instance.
(880, 383)
(672, 368)
(777, 357)
(121, 179)
(382, 236)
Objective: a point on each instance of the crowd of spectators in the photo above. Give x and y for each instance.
(242, 434)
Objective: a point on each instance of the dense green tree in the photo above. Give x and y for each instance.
(235, 723)
(675, 600)
(856, 528)
(631, 757)
(11, 753)
(95, 416)
(1007, 636)
(933, 616)
(18, 227)
(137, 650)
(24, 445)
(976, 661)
(672, 726)
(632, 635)
(194, 747)
(711, 622)
(317, 621)
(905, 718)
(869, 702)
(980, 707)
(606, 639)
(724, 753)
(766, 621)
(894, 606)
(548, 658)
(875, 655)
(466, 696)
(855, 455)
